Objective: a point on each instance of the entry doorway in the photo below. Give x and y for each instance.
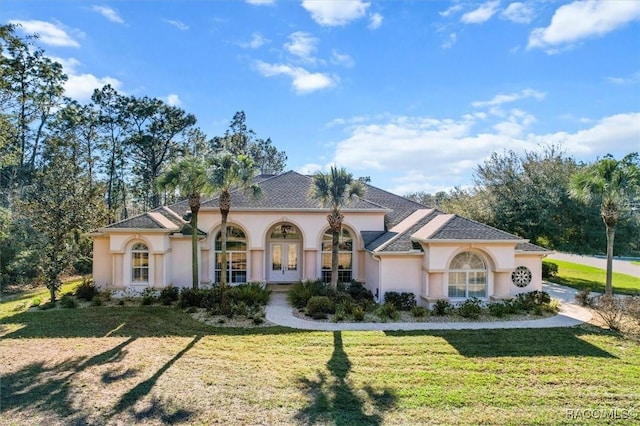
(284, 265)
(284, 259)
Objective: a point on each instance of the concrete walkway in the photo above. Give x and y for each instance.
(279, 312)
(621, 266)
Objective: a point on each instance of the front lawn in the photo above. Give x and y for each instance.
(156, 365)
(581, 277)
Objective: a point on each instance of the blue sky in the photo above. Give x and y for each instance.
(414, 94)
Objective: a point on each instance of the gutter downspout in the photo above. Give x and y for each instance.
(378, 294)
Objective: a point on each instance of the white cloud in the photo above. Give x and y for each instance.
(583, 19)
(482, 14)
(178, 24)
(303, 81)
(521, 13)
(622, 81)
(80, 86)
(173, 100)
(257, 41)
(261, 2)
(451, 10)
(342, 59)
(49, 33)
(375, 21)
(309, 168)
(302, 45)
(423, 153)
(335, 13)
(449, 41)
(617, 134)
(509, 97)
(108, 13)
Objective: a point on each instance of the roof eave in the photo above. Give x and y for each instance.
(469, 241)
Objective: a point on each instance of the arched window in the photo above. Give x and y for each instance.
(139, 263)
(236, 256)
(345, 256)
(467, 276)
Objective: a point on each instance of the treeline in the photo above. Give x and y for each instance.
(529, 195)
(67, 168)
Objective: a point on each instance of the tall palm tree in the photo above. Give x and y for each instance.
(190, 177)
(231, 172)
(612, 183)
(335, 189)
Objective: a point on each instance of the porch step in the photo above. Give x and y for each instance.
(279, 288)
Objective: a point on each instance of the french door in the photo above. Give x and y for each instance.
(284, 265)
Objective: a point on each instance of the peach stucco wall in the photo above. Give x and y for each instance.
(102, 262)
(424, 274)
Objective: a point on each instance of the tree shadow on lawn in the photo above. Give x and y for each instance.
(130, 321)
(49, 390)
(336, 400)
(525, 342)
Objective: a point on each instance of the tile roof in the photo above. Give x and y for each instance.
(286, 191)
(142, 221)
(406, 221)
(530, 248)
(460, 228)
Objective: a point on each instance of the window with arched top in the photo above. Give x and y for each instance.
(236, 256)
(345, 256)
(139, 263)
(467, 276)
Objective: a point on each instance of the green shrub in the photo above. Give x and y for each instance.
(358, 313)
(320, 305)
(258, 319)
(553, 306)
(402, 301)
(87, 290)
(442, 307)
(359, 292)
(36, 301)
(530, 302)
(149, 296)
(499, 309)
(97, 301)
(68, 301)
(470, 308)
(105, 295)
(419, 312)
(300, 293)
(388, 311)
(190, 297)
(252, 294)
(549, 270)
(169, 294)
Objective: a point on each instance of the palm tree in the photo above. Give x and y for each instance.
(231, 172)
(189, 176)
(612, 183)
(335, 189)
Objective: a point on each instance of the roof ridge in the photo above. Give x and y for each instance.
(399, 196)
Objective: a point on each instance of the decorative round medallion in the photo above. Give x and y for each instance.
(521, 277)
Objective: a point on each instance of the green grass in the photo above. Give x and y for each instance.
(581, 277)
(21, 301)
(156, 365)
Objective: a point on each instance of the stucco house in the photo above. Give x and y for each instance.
(389, 242)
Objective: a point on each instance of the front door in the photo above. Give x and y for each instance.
(284, 265)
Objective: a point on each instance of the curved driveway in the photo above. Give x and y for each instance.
(621, 266)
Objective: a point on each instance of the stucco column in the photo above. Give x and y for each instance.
(158, 271)
(501, 284)
(118, 272)
(255, 265)
(310, 270)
